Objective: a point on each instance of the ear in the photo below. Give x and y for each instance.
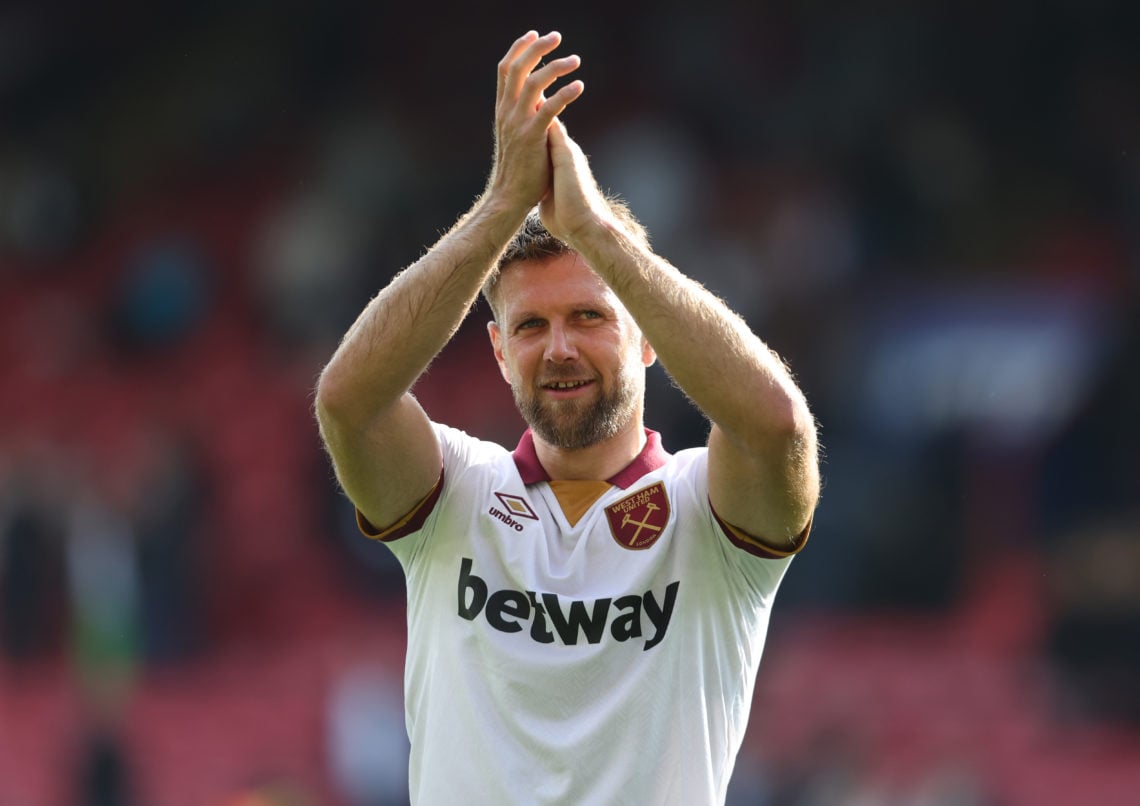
(648, 354)
(497, 346)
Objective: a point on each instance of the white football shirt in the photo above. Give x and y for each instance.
(608, 661)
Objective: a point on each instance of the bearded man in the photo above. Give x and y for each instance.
(586, 613)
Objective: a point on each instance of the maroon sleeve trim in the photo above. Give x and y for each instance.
(412, 522)
(756, 547)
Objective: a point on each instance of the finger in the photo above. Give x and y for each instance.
(541, 79)
(553, 106)
(512, 54)
(527, 59)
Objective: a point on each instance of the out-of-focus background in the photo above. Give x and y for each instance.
(932, 210)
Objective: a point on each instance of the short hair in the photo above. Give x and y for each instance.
(533, 241)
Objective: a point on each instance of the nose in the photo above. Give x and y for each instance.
(560, 345)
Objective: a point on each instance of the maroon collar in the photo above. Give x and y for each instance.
(652, 456)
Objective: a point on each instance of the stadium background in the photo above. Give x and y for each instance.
(932, 210)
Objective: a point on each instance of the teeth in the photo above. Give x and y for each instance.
(566, 384)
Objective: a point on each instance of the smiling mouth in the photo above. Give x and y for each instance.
(565, 385)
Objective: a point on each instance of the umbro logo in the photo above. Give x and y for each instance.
(516, 507)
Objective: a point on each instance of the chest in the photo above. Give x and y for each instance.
(578, 538)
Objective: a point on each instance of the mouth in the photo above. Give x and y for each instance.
(563, 388)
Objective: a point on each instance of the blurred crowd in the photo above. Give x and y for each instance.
(932, 211)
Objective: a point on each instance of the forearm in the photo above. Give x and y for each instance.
(405, 326)
(411, 320)
(763, 464)
(381, 441)
(708, 350)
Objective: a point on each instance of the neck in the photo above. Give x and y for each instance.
(596, 462)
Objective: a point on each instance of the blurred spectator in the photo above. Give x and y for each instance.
(1090, 508)
(40, 210)
(31, 553)
(629, 157)
(951, 783)
(103, 775)
(315, 257)
(834, 770)
(808, 243)
(1093, 635)
(104, 607)
(169, 516)
(1091, 468)
(163, 295)
(106, 621)
(367, 740)
(103, 585)
(310, 254)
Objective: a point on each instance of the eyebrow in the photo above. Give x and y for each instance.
(524, 316)
(574, 308)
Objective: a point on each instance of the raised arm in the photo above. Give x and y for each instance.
(380, 440)
(763, 465)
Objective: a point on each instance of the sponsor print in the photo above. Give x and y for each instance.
(548, 618)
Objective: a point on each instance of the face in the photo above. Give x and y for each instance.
(571, 352)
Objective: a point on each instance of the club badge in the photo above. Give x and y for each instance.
(637, 520)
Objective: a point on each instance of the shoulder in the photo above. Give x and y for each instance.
(461, 449)
(686, 475)
(471, 465)
(688, 467)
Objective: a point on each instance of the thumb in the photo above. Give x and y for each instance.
(563, 149)
(556, 134)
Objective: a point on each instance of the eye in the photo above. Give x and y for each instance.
(528, 324)
(590, 315)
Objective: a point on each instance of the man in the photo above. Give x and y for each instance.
(585, 614)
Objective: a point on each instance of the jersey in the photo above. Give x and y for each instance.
(606, 657)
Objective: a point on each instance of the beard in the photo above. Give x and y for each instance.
(576, 424)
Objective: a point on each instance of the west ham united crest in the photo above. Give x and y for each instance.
(637, 520)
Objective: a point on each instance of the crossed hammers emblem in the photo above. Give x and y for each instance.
(626, 520)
